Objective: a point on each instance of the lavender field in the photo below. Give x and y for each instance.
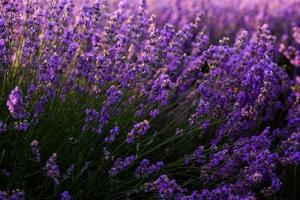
(150, 99)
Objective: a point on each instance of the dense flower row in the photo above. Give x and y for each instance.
(112, 89)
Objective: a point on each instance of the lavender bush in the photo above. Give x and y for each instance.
(185, 100)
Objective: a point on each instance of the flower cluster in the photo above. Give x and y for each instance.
(197, 156)
(112, 134)
(65, 196)
(167, 188)
(121, 164)
(96, 80)
(138, 130)
(52, 169)
(15, 195)
(15, 103)
(145, 169)
(22, 126)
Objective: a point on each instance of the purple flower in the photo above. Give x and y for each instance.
(65, 196)
(15, 103)
(22, 126)
(114, 96)
(290, 149)
(3, 195)
(154, 113)
(112, 134)
(138, 130)
(91, 117)
(161, 88)
(164, 186)
(119, 63)
(52, 169)
(197, 156)
(121, 165)
(145, 169)
(17, 195)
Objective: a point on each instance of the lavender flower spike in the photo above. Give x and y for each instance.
(121, 165)
(53, 169)
(138, 129)
(15, 103)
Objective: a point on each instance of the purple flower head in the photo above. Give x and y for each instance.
(290, 149)
(154, 113)
(108, 56)
(114, 96)
(121, 165)
(161, 89)
(3, 195)
(30, 91)
(296, 34)
(65, 196)
(22, 126)
(145, 169)
(2, 45)
(15, 103)
(165, 187)
(52, 169)
(197, 156)
(17, 195)
(273, 188)
(138, 130)
(256, 177)
(92, 116)
(112, 134)
(204, 125)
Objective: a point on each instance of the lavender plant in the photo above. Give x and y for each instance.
(140, 105)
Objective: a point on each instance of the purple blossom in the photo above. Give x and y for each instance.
(15, 103)
(91, 117)
(65, 196)
(112, 134)
(121, 165)
(197, 156)
(114, 95)
(161, 88)
(145, 169)
(17, 195)
(139, 129)
(164, 186)
(154, 113)
(52, 169)
(3, 195)
(237, 99)
(22, 126)
(290, 149)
